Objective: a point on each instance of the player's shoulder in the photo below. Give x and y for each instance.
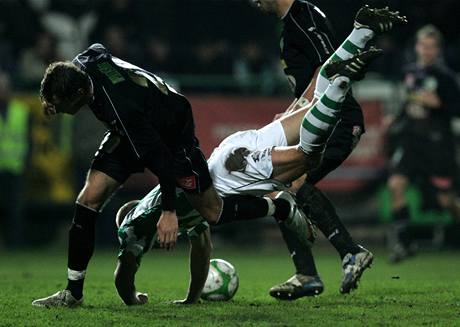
(94, 53)
(304, 11)
(444, 71)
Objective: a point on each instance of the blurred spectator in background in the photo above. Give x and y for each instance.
(34, 60)
(159, 57)
(14, 142)
(253, 71)
(71, 22)
(422, 139)
(122, 13)
(114, 39)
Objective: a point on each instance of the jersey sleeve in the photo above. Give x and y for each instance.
(449, 93)
(308, 43)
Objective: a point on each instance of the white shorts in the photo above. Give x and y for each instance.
(254, 178)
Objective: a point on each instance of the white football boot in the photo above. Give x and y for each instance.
(298, 286)
(60, 299)
(353, 266)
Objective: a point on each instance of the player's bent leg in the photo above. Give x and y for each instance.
(207, 203)
(398, 234)
(397, 185)
(98, 188)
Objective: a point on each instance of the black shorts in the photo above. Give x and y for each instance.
(425, 160)
(342, 141)
(116, 158)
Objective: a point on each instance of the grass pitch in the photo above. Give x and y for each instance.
(421, 291)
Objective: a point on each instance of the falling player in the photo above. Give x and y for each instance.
(307, 43)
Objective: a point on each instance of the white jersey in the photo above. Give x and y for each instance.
(255, 178)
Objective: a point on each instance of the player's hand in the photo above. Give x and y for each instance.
(167, 228)
(428, 99)
(140, 298)
(48, 109)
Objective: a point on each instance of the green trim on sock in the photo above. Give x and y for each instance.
(311, 128)
(330, 103)
(351, 47)
(323, 117)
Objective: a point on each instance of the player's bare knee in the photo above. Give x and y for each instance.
(397, 184)
(91, 199)
(445, 199)
(212, 213)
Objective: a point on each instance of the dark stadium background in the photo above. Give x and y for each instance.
(221, 54)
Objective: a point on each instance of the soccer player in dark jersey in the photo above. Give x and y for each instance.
(150, 126)
(307, 42)
(423, 133)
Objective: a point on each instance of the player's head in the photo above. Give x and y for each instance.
(123, 211)
(65, 88)
(428, 45)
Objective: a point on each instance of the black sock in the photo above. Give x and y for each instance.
(282, 209)
(401, 219)
(81, 246)
(301, 255)
(242, 207)
(322, 213)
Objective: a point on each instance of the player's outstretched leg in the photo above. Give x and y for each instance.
(320, 120)
(315, 130)
(368, 23)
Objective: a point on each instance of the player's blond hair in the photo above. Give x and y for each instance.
(123, 211)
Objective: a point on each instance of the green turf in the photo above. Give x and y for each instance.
(422, 291)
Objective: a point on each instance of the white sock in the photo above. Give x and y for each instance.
(319, 122)
(354, 43)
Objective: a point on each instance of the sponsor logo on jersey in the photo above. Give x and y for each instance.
(110, 72)
(187, 182)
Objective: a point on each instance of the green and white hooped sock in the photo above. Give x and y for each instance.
(353, 44)
(319, 122)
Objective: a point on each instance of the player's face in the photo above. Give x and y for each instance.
(427, 50)
(269, 6)
(68, 106)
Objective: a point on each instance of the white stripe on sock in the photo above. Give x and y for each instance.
(75, 275)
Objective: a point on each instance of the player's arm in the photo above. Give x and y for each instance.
(305, 99)
(124, 280)
(200, 254)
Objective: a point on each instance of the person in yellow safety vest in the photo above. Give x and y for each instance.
(14, 144)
